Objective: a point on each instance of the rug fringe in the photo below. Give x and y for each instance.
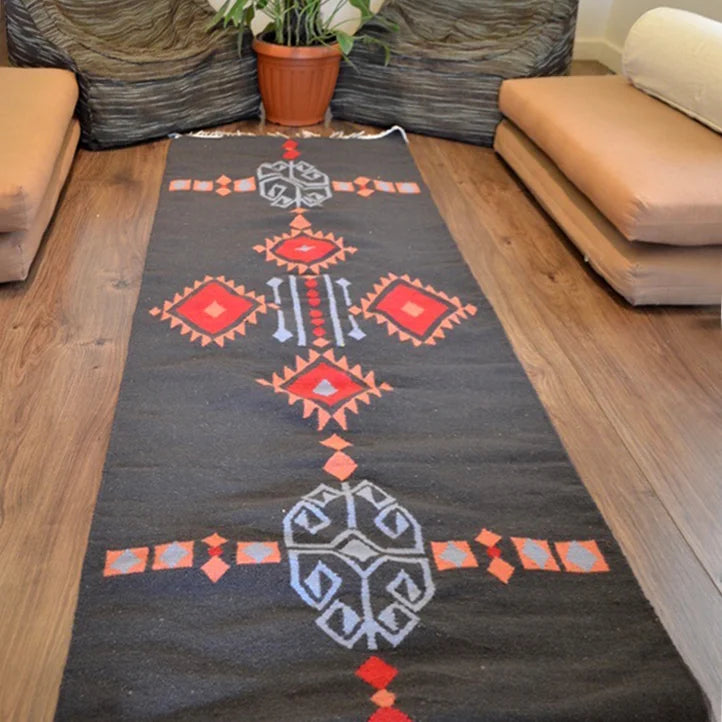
(336, 135)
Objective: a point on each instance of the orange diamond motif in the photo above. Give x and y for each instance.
(258, 553)
(215, 568)
(336, 442)
(488, 538)
(125, 561)
(340, 465)
(300, 223)
(215, 540)
(384, 698)
(453, 555)
(501, 570)
(175, 555)
(581, 556)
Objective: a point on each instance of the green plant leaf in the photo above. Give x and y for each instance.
(345, 42)
(219, 15)
(299, 22)
(364, 6)
(236, 14)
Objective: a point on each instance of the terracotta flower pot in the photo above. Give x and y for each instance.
(296, 83)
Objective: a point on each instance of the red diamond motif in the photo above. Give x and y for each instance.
(305, 250)
(377, 673)
(213, 309)
(415, 312)
(326, 386)
(290, 147)
(389, 714)
(412, 309)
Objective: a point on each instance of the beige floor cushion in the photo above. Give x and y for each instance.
(642, 273)
(18, 248)
(36, 105)
(655, 173)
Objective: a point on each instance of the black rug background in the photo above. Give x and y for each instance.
(462, 441)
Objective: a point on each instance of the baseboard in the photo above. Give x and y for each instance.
(599, 49)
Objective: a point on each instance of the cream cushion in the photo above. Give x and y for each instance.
(676, 56)
(643, 273)
(652, 171)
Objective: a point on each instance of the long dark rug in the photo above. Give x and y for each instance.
(331, 492)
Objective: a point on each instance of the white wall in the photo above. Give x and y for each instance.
(593, 17)
(590, 42)
(603, 25)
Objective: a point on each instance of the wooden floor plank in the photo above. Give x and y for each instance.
(63, 354)
(682, 592)
(589, 67)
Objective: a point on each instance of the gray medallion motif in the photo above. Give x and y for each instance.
(293, 183)
(357, 556)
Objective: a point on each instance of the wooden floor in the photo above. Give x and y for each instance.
(636, 396)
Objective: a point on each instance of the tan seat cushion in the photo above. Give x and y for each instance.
(35, 111)
(641, 272)
(655, 173)
(18, 248)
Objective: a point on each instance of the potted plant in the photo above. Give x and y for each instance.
(299, 45)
